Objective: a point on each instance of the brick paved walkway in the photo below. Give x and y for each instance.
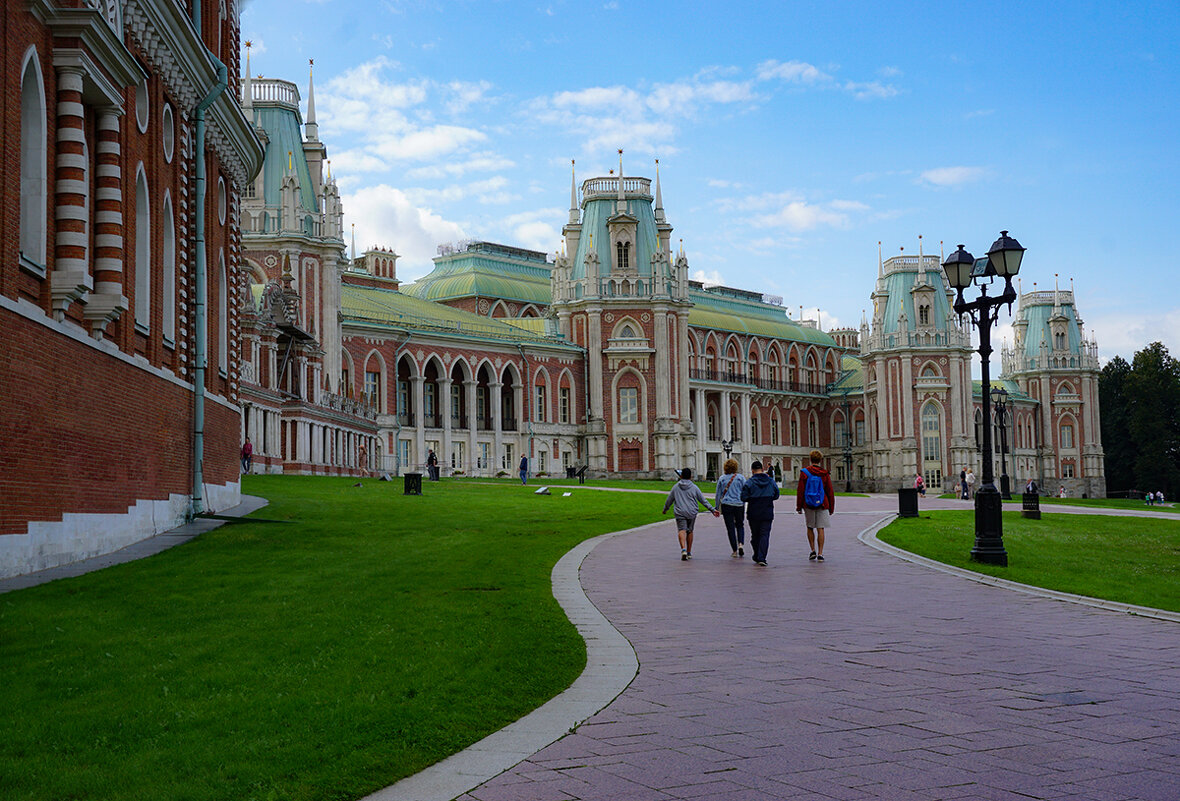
(863, 677)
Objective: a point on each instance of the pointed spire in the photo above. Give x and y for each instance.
(659, 196)
(313, 130)
(573, 196)
(247, 84)
(329, 163)
(921, 261)
(880, 261)
(620, 201)
(1056, 296)
(354, 241)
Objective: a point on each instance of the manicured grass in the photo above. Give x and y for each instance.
(1126, 559)
(321, 659)
(1109, 503)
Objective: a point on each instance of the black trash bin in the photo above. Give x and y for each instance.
(907, 502)
(571, 472)
(413, 484)
(1030, 506)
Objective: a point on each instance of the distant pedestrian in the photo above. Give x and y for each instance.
(1159, 497)
(1149, 498)
(1061, 493)
(432, 465)
(685, 500)
(963, 484)
(1031, 487)
(247, 455)
(760, 492)
(815, 499)
(524, 469)
(920, 485)
(970, 483)
(729, 501)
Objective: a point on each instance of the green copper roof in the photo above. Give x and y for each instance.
(852, 379)
(595, 214)
(1014, 390)
(479, 272)
(1037, 308)
(386, 307)
(901, 277)
(725, 313)
(282, 126)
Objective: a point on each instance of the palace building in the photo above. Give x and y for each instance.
(119, 406)
(607, 355)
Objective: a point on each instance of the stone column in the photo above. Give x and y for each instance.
(744, 420)
(665, 381)
(702, 415)
(469, 388)
(419, 418)
(444, 404)
(108, 301)
(495, 388)
(71, 278)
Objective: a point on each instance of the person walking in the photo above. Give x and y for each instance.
(247, 455)
(524, 469)
(432, 465)
(1031, 487)
(729, 501)
(815, 499)
(685, 500)
(963, 484)
(759, 494)
(920, 485)
(970, 483)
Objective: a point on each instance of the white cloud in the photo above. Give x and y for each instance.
(791, 72)
(1124, 334)
(710, 278)
(952, 176)
(388, 217)
(801, 216)
(889, 72)
(870, 90)
(465, 94)
(478, 162)
(539, 229)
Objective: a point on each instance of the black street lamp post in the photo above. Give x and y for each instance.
(727, 446)
(1000, 398)
(962, 270)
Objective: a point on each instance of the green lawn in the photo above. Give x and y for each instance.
(320, 659)
(1126, 559)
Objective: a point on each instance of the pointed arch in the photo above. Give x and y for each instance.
(143, 251)
(223, 315)
(374, 380)
(625, 325)
(347, 373)
(168, 269)
(542, 395)
(630, 408)
(34, 164)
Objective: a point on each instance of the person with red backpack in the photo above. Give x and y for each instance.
(815, 499)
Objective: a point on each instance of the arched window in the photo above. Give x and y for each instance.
(623, 255)
(932, 444)
(628, 404)
(222, 316)
(1067, 435)
(924, 314)
(168, 270)
(143, 252)
(34, 180)
(929, 372)
(795, 431)
(1059, 340)
(627, 332)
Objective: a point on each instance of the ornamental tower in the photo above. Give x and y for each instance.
(619, 293)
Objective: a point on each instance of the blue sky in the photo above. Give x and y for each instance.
(792, 137)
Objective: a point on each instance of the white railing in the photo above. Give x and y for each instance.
(274, 90)
(599, 187)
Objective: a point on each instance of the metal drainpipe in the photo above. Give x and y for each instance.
(200, 320)
(527, 398)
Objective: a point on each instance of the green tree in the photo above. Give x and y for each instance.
(1152, 391)
(1116, 433)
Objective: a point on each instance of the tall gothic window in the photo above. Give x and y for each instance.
(168, 270)
(924, 314)
(931, 434)
(628, 404)
(143, 252)
(623, 255)
(34, 171)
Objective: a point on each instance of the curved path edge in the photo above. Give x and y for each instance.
(611, 666)
(869, 537)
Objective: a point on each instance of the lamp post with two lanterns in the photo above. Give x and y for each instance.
(1000, 399)
(964, 270)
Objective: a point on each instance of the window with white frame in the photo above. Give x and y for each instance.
(1067, 435)
(540, 390)
(628, 404)
(774, 431)
(34, 170)
(565, 404)
(143, 252)
(168, 271)
(373, 387)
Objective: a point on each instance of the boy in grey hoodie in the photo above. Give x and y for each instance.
(684, 497)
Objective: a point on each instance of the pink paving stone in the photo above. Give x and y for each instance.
(864, 677)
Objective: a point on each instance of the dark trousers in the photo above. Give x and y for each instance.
(760, 537)
(734, 525)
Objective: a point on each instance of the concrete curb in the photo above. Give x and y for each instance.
(869, 537)
(611, 665)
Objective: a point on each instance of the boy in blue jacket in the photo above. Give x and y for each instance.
(684, 497)
(759, 493)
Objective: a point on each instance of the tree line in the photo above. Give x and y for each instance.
(1140, 407)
